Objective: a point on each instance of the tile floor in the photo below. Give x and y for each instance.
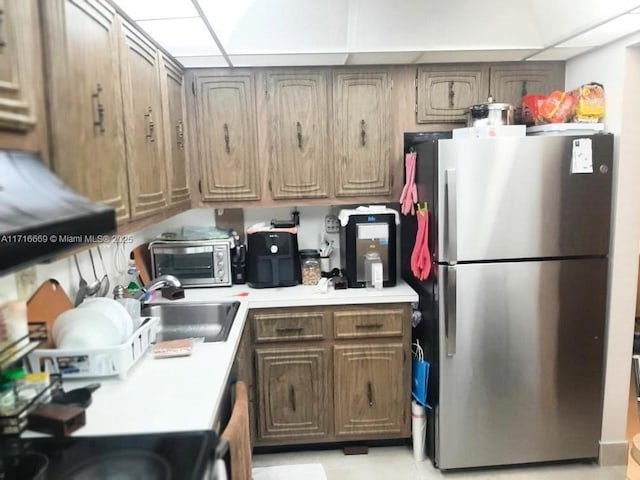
(391, 463)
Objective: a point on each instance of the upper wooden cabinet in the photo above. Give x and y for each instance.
(85, 99)
(142, 104)
(298, 134)
(361, 132)
(22, 123)
(510, 82)
(172, 84)
(444, 92)
(228, 139)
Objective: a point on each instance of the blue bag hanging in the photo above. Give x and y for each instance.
(420, 375)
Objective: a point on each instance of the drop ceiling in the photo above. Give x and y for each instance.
(246, 33)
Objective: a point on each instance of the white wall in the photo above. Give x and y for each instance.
(617, 67)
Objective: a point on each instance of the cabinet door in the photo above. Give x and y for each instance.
(444, 92)
(509, 83)
(298, 134)
(370, 395)
(362, 133)
(226, 111)
(22, 110)
(141, 96)
(85, 99)
(293, 393)
(172, 84)
(17, 17)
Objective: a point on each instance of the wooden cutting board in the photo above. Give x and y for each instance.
(49, 301)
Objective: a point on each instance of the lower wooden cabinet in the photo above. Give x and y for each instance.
(293, 392)
(368, 389)
(318, 384)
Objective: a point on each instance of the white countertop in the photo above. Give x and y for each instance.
(184, 393)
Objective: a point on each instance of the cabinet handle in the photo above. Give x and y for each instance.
(180, 135)
(292, 397)
(150, 124)
(523, 92)
(369, 326)
(299, 134)
(363, 134)
(452, 95)
(3, 42)
(99, 123)
(226, 138)
(289, 329)
(370, 393)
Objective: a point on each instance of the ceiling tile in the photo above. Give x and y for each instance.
(278, 26)
(198, 61)
(381, 58)
(154, 9)
(606, 33)
(288, 60)
(450, 56)
(558, 53)
(181, 36)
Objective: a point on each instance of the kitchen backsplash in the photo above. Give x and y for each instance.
(116, 254)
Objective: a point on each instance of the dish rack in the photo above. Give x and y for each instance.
(97, 362)
(14, 423)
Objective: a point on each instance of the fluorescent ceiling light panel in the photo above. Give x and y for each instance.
(181, 36)
(249, 27)
(154, 9)
(612, 30)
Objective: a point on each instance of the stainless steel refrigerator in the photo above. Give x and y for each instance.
(514, 309)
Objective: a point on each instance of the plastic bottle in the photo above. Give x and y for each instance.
(131, 279)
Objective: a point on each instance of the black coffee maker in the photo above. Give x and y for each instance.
(272, 258)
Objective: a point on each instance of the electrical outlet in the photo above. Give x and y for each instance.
(331, 224)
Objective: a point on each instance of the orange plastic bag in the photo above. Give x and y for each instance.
(558, 107)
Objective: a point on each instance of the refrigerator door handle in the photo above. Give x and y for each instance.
(451, 225)
(450, 311)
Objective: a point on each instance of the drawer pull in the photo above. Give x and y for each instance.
(369, 326)
(292, 397)
(289, 330)
(370, 393)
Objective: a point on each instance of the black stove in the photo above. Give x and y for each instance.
(166, 456)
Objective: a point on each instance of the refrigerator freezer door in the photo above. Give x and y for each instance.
(525, 381)
(518, 198)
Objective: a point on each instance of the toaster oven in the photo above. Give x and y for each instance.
(196, 263)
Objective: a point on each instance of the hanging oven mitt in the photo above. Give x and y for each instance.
(426, 255)
(416, 254)
(409, 195)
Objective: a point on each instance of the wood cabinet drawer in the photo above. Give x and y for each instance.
(369, 323)
(288, 326)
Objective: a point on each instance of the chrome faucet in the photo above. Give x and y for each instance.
(155, 284)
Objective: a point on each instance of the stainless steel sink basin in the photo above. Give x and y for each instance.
(211, 320)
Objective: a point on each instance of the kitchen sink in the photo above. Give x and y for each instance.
(211, 320)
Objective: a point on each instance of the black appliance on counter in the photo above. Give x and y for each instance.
(183, 455)
(273, 259)
(364, 233)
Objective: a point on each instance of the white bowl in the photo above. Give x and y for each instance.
(114, 311)
(85, 328)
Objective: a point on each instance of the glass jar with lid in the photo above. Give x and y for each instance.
(310, 267)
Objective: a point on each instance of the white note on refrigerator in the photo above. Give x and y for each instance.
(582, 156)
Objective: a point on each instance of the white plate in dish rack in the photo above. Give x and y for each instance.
(99, 362)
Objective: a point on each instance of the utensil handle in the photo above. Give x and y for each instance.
(450, 310)
(451, 224)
